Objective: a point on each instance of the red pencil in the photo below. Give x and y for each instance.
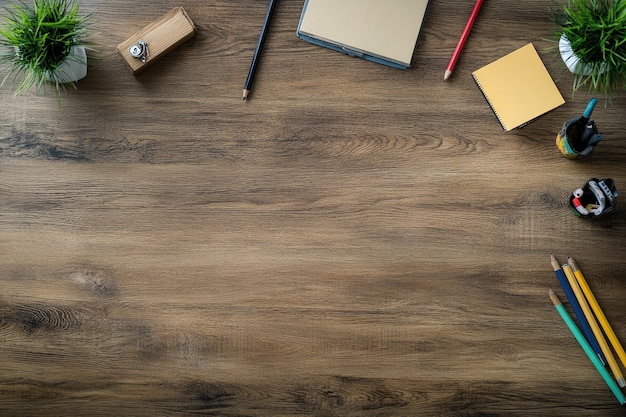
(459, 46)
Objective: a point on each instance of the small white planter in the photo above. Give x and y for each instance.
(570, 59)
(74, 67)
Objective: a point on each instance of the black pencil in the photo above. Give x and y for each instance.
(257, 52)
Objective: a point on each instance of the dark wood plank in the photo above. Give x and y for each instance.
(354, 240)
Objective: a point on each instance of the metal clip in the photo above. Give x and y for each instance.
(139, 50)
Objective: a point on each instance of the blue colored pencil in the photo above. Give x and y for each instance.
(580, 315)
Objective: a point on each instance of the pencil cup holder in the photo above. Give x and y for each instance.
(596, 198)
(579, 135)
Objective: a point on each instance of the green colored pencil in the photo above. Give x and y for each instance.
(587, 348)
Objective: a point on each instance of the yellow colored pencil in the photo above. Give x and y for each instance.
(608, 330)
(617, 373)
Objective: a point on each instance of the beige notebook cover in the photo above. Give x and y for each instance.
(385, 29)
(518, 87)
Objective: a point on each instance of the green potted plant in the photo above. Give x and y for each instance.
(592, 43)
(43, 44)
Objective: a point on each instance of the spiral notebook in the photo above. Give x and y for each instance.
(518, 87)
(383, 31)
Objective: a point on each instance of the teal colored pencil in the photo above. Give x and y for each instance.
(587, 348)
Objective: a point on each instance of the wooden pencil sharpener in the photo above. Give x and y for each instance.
(156, 40)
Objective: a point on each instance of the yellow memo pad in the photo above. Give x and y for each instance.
(518, 87)
(383, 31)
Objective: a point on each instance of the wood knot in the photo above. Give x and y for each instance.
(38, 317)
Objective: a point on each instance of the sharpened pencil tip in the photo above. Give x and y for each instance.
(555, 263)
(554, 297)
(447, 74)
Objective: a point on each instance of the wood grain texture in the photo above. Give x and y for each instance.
(354, 240)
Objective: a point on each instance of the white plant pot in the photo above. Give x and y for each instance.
(74, 67)
(570, 59)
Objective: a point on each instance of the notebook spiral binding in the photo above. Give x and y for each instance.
(489, 102)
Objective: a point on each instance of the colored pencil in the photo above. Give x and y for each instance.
(257, 52)
(573, 301)
(606, 350)
(464, 36)
(608, 330)
(587, 348)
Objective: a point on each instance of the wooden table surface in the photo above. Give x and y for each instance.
(354, 240)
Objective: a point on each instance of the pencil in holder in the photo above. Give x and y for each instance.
(596, 198)
(579, 135)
